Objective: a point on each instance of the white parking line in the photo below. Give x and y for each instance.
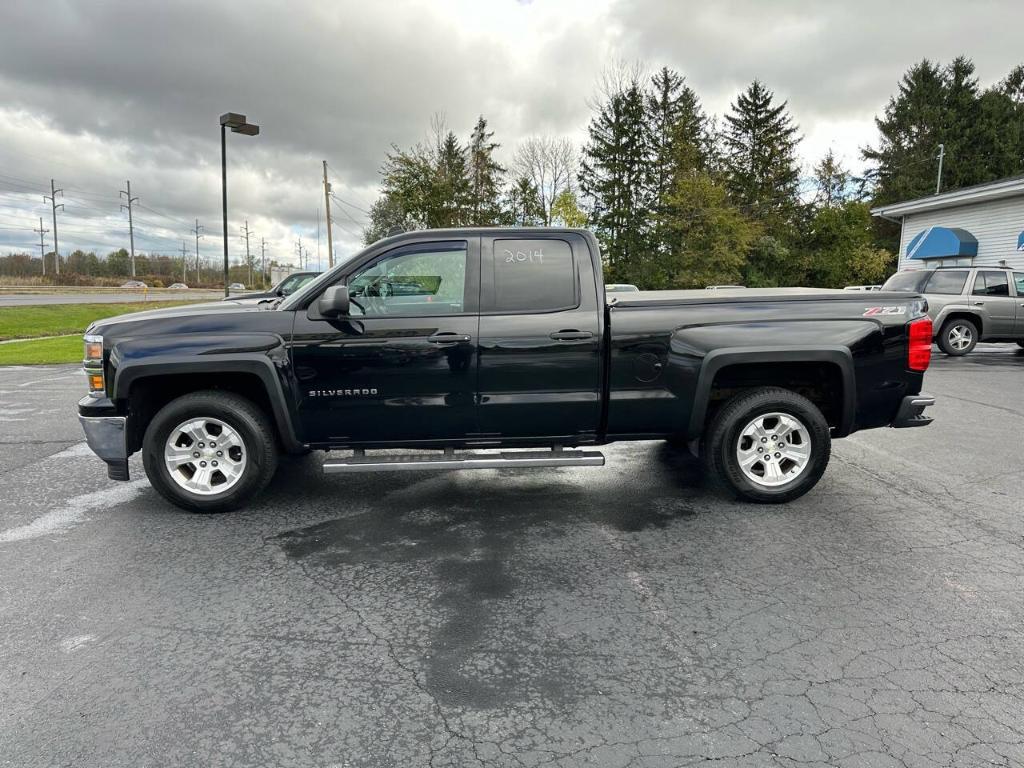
(73, 511)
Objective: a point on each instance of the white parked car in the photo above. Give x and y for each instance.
(177, 286)
(236, 287)
(135, 284)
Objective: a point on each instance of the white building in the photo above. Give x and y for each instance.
(981, 225)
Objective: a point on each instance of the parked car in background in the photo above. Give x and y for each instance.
(862, 288)
(178, 286)
(968, 304)
(134, 284)
(723, 287)
(620, 288)
(236, 287)
(286, 287)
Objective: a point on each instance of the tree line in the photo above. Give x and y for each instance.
(679, 198)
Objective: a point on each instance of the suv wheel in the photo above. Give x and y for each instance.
(768, 445)
(209, 451)
(958, 337)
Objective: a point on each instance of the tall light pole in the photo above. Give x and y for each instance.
(237, 124)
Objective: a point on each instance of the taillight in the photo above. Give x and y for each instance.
(919, 344)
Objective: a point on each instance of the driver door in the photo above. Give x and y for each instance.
(402, 366)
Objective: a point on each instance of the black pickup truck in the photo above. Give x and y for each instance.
(450, 343)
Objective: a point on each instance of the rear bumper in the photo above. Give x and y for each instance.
(106, 436)
(911, 412)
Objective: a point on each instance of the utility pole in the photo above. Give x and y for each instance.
(248, 258)
(938, 180)
(298, 244)
(131, 225)
(42, 245)
(184, 273)
(327, 210)
(263, 268)
(53, 201)
(198, 233)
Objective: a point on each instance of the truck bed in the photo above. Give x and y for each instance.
(698, 296)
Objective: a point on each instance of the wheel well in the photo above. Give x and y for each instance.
(976, 319)
(821, 383)
(151, 393)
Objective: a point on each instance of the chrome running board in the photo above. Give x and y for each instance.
(360, 462)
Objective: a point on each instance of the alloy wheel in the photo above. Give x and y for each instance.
(205, 456)
(773, 449)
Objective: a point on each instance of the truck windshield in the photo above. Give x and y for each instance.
(906, 281)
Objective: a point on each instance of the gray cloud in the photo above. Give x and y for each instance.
(93, 93)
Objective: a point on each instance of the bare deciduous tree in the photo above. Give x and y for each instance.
(550, 165)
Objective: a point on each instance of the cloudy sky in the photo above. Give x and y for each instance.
(95, 92)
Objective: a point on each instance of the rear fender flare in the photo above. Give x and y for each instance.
(718, 359)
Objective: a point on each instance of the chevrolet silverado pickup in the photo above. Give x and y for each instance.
(495, 348)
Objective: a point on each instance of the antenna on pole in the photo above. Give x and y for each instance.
(131, 225)
(53, 201)
(938, 179)
(42, 245)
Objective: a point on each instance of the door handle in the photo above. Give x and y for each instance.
(446, 337)
(571, 335)
(978, 303)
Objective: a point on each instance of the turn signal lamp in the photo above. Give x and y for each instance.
(93, 364)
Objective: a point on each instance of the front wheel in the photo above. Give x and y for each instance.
(768, 445)
(209, 451)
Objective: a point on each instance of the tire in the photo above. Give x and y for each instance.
(249, 463)
(768, 480)
(958, 337)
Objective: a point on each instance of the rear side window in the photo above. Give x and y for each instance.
(906, 281)
(533, 276)
(991, 283)
(947, 282)
(1018, 279)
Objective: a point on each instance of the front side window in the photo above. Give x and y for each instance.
(421, 282)
(948, 282)
(991, 283)
(533, 276)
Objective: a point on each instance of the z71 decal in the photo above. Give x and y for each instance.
(872, 311)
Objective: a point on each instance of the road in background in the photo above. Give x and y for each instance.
(612, 617)
(11, 299)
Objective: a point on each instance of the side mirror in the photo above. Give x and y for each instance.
(334, 302)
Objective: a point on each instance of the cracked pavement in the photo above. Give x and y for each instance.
(625, 616)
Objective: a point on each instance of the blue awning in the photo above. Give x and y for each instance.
(942, 242)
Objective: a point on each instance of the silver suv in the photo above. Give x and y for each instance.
(968, 304)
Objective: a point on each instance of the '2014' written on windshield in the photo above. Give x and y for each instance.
(531, 256)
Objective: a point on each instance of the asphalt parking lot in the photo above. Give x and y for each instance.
(617, 617)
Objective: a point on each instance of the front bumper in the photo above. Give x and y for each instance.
(106, 436)
(911, 412)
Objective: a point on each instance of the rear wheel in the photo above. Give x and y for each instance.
(958, 337)
(209, 451)
(768, 445)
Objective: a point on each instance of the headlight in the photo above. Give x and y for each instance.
(93, 364)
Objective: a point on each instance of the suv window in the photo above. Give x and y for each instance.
(533, 276)
(947, 281)
(1018, 280)
(906, 281)
(991, 283)
(424, 281)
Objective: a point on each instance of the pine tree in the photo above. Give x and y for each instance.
(451, 193)
(833, 182)
(615, 177)
(762, 172)
(677, 128)
(523, 205)
(485, 177)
